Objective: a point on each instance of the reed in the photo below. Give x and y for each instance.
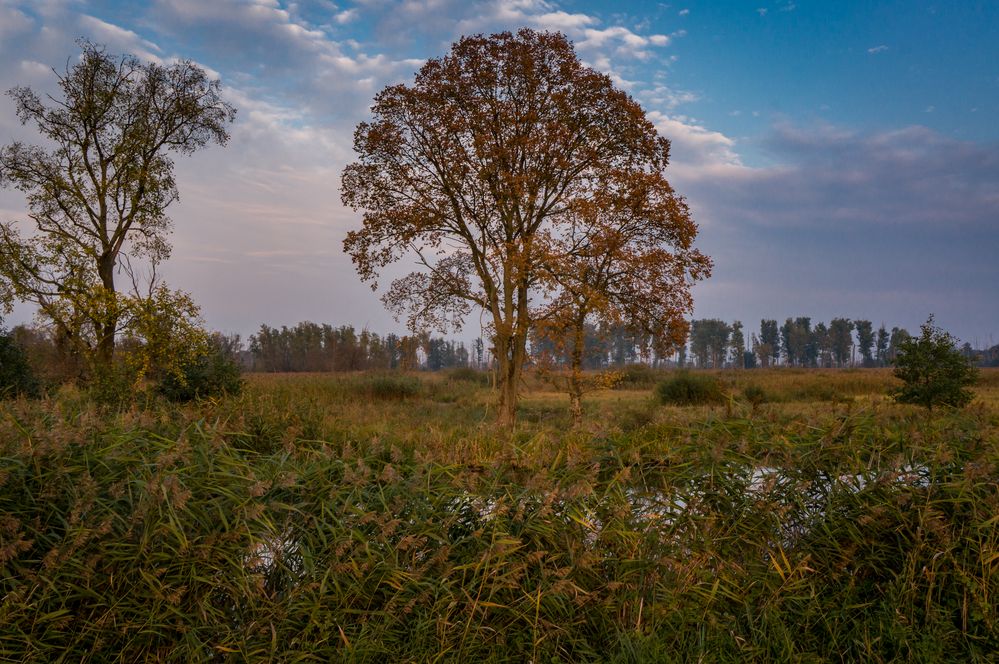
(299, 522)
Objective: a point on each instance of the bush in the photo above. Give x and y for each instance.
(468, 375)
(113, 386)
(933, 370)
(687, 389)
(637, 376)
(388, 387)
(755, 395)
(212, 374)
(16, 375)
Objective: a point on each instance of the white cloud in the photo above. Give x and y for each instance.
(261, 219)
(696, 152)
(13, 22)
(345, 16)
(119, 39)
(881, 48)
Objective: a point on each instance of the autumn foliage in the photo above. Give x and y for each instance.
(525, 185)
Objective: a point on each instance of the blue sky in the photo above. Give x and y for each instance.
(842, 159)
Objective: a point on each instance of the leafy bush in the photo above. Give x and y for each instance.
(212, 374)
(114, 385)
(933, 370)
(636, 376)
(16, 375)
(687, 389)
(755, 395)
(468, 375)
(388, 387)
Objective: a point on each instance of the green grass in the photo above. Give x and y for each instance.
(309, 520)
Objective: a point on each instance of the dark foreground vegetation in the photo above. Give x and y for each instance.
(803, 516)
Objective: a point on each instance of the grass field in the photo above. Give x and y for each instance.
(377, 518)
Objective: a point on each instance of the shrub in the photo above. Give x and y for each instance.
(755, 395)
(212, 374)
(687, 389)
(468, 375)
(114, 385)
(390, 387)
(636, 376)
(16, 375)
(933, 370)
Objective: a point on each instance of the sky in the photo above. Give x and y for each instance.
(840, 159)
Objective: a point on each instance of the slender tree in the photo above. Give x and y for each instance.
(882, 346)
(823, 345)
(865, 341)
(841, 339)
(737, 344)
(624, 257)
(99, 190)
(769, 342)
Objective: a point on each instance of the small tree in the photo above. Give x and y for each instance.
(882, 345)
(769, 346)
(841, 339)
(16, 375)
(865, 341)
(933, 370)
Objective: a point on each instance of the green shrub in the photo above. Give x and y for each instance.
(687, 389)
(636, 376)
(113, 385)
(16, 375)
(933, 370)
(755, 395)
(634, 416)
(389, 387)
(468, 375)
(210, 375)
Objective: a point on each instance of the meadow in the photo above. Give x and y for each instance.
(384, 517)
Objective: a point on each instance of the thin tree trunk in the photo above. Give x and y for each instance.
(106, 329)
(576, 377)
(506, 369)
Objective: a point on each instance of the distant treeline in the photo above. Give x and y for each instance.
(712, 343)
(310, 346)
(715, 344)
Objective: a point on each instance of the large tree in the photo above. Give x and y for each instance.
(478, 170)
(98, 192)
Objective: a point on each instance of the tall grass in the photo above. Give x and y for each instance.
(296, 522)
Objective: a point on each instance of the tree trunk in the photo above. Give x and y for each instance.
(576, 377)
(508, 376)
(108, 326)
